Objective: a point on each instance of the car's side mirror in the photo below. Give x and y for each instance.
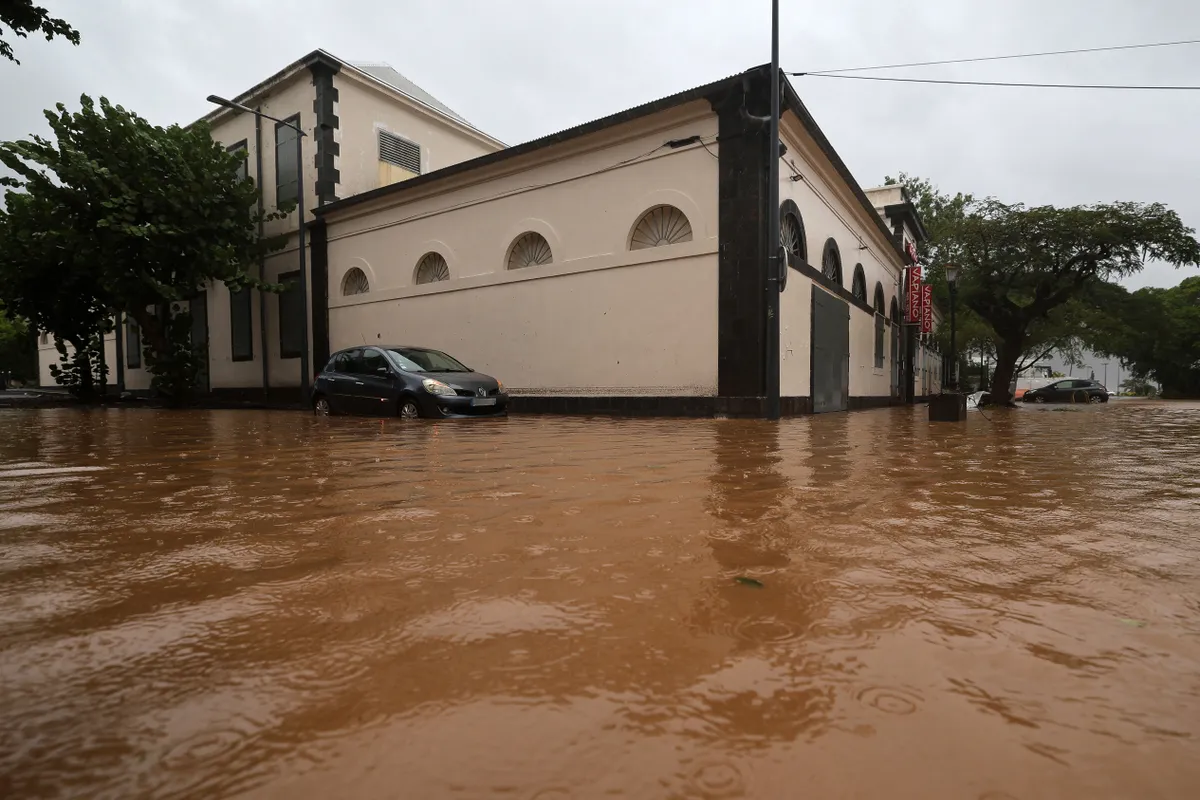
(384, 372)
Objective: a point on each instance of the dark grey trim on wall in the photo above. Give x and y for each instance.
(817, 276)
(655, 406)
(318, 243)
(326, 94)
(871, 401)
(742, 263)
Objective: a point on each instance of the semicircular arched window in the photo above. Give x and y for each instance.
(432, 268)
(895, 312)
(661, 226)
(791, 235)
(859, 283)
(355, 282)
(529, 250)
(831, 262)
(879, 301)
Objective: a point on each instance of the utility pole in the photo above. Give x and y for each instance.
(774, 264)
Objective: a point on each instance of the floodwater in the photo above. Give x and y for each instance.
(265, 604)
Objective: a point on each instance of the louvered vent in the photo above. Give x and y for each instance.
(399, 152)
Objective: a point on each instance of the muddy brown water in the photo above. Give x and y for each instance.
(263, 604)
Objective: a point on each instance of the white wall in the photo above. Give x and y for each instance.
(829, 210)
(365, 107)
(600, 318)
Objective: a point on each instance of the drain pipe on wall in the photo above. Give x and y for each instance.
(262, 261)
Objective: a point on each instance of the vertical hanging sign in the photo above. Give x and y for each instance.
(927, 308)
(913, 311)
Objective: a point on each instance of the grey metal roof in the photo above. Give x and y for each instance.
(390, 76)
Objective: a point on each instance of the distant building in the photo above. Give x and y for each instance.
(616, 265)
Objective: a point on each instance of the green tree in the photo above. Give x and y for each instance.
(18, 347)
(1155, 333)
(1031, 273)
(22, 17)
(115, 215)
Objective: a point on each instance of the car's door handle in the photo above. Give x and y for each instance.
(358, 383)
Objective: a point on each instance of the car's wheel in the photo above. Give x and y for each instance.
(321, 406)
(1039, 399)
(408, 409)
(1096, 399)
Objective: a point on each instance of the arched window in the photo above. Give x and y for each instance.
(660, 226)
(529, 250)
(432, 268)
(859, 283)
(355, 282)
(831, 262)
(880, 356)
(895, 313)
(791, 232)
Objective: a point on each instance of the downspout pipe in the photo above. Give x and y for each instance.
(262, 262)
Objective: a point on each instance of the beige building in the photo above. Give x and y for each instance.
(615, 266)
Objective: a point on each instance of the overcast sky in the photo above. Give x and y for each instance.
(520, 69)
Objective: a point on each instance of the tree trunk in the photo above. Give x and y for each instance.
(1007, 355)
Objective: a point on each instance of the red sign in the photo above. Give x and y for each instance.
(913, 312)
(927, 308)
(911, 249)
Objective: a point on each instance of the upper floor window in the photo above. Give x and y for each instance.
(831, 262)
(240, 149)
(432, 268)
(399, 152)
(791, 232)
(355, 282)
(662, 225)
(287, 152)
(529, 250)
(858, 284)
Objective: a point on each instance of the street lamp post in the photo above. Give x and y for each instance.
(952, 283)
(950, 405)
(221, 101)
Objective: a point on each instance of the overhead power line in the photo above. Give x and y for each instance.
(1002, 58)
(1002, 83)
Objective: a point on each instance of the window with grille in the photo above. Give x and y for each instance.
(291, 317)
(399, 152)
(287, 146)
(859, 284)
(240, 149)
(355, 282)
(530, 250)
(831, 262)
(879, 326)
(241, 332)
(133, 344)
(661, 226)
(432, 268)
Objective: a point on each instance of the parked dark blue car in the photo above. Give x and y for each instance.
(407, 382)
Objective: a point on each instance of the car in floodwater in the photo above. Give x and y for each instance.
(406, 382)
(1068, 390)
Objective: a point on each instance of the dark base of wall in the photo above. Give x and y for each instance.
(859, 403)
(751, 407)
(276, 397)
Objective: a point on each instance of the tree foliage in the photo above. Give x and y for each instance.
(22, 17)
(1155, 333)
(115, 215)
(1031, 273)
(18, 347)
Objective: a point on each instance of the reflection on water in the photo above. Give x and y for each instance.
(268, 605)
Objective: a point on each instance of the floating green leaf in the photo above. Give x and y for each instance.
(742, 579)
